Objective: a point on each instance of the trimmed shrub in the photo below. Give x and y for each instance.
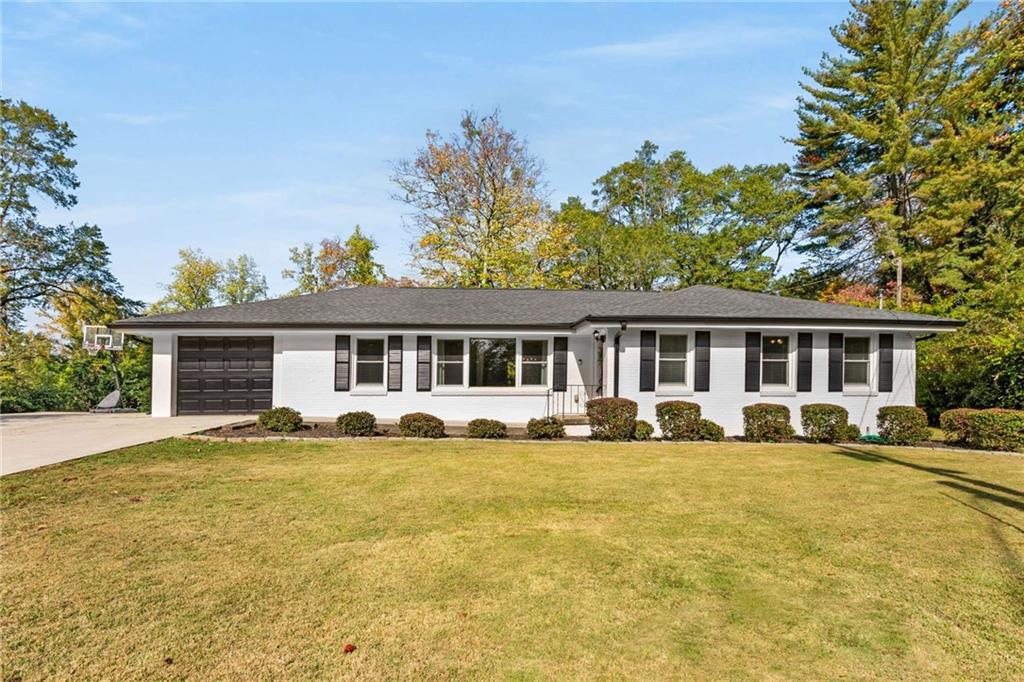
(824, 423)
(678, 419)
(851, 432)
(356, 423)
(545, 428)
(954, 424)
(486, 428)
(612, 418)
(996, 429)
(902, 424)
(280, 419)
(643, 430)
(766, 423)
(421, 425)
(706, 429)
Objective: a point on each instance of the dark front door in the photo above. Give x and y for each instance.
(224, 374)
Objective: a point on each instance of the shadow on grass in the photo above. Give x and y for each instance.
(975, 487)
(864, 456)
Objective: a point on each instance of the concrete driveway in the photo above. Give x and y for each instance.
(33, 440)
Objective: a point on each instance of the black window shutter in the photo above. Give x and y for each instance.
(559, 375)
(885, 363)
(702, 362)
(342, 346)
(648, 350)
(804, 355)
(422, 363)
(752, 375)
(395, 363)
(835, 363)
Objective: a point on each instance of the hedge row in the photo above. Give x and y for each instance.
(995, 429)
(615, 419)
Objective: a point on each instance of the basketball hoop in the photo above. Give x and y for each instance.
(97, 337)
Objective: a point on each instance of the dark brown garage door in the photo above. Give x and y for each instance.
(224, 374)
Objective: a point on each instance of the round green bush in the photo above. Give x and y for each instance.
(851, 432)
(612, 418)
(678, 419)
(421, 425)
(545, 428)
(706, 429)
(902, 424)
(644, 430)
(996, 429)
(954, 424)
(357, 424)
(824, 423)
(486, 428)
(280, 419)
(766, 423)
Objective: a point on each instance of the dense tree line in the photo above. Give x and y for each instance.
(908, 155)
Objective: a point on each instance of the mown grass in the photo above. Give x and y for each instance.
(514, 560)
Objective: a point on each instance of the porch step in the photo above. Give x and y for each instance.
(574, 419)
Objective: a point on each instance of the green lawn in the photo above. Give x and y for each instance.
(513, 560)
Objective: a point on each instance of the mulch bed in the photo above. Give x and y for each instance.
(329, 430)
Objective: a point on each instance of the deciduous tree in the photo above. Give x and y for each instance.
(241, 281)
(479, 208)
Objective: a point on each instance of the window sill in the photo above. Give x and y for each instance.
(493, 390)
(670, 390)
(859, 392)
(369, 390)
(778, 393)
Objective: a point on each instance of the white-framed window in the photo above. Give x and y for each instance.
(450, 362)
(370, 362)
(775, 361)
(857, 361)
(534, 362)
(492, 362)
(673, 352)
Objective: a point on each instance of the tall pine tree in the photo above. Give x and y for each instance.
(867, 125)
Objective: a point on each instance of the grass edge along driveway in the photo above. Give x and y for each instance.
(186, 559)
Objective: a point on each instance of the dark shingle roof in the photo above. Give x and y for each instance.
(550, 308)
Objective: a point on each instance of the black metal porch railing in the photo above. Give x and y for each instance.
(572, 401)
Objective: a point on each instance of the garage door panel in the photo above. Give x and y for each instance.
(224, 374)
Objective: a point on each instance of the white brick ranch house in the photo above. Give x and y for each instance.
(514, 354)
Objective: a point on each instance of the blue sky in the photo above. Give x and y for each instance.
(251, 128)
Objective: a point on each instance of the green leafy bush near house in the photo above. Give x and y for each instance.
(644, 430)
(706, 429)
(486, 428)
(766, 423)
(356, 423)
(421, 425)
(995, 429)
(545, 428)
(851, 432)
(612, 418)
(678, 419)
(954, 423)
(280, 419)
(824, 423)
(903, 424)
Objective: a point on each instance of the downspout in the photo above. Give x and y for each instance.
(618, 335)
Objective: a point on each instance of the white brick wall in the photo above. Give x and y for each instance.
(724, 402)
(304, 379)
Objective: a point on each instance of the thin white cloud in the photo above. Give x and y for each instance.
(696, 41)
(143, 119)
(93, 26)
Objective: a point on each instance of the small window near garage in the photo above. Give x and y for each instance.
(535, 362)
(774, 361)
(370, 362)
(672, 359)
(492, 362)
(449, 362)
(856, 361)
